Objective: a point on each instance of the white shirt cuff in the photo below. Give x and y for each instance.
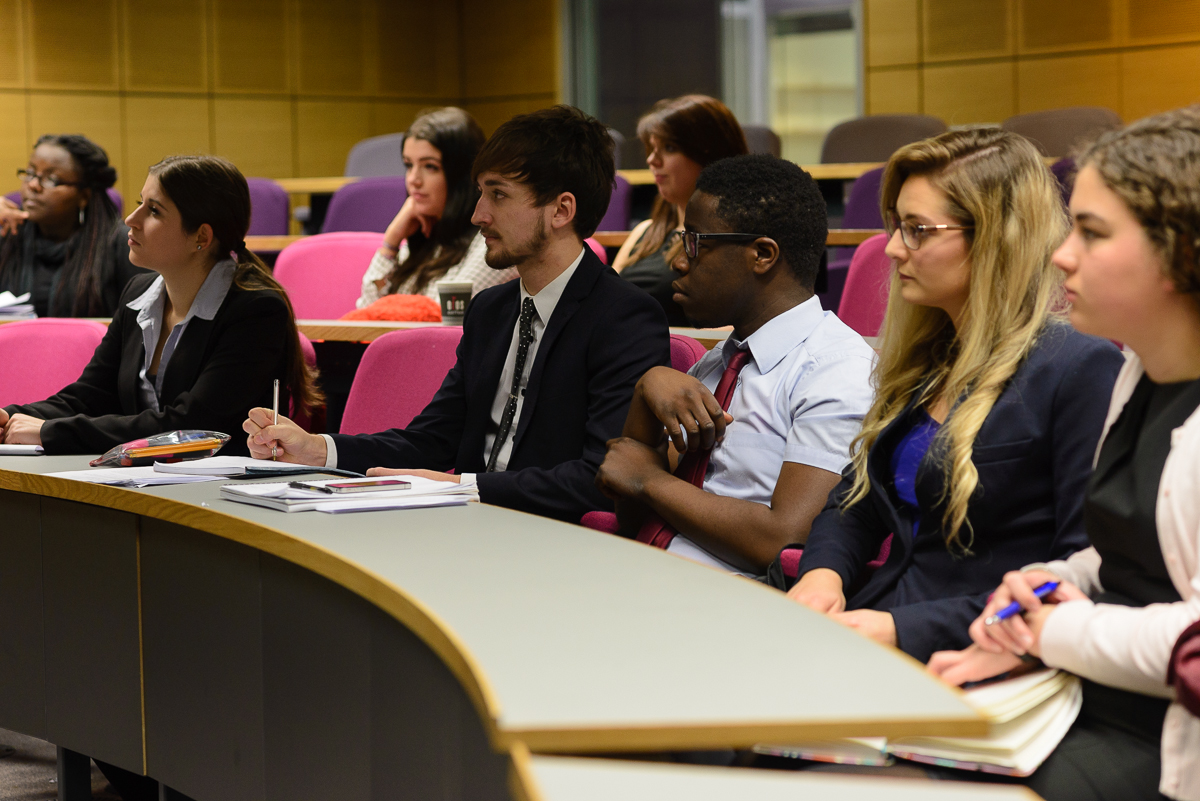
(330, 452)
(466, 479)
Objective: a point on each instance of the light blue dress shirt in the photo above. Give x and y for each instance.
(801, 398)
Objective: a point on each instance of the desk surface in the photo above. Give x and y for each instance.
(568, 639)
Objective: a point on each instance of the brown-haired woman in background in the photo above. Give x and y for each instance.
(195, 343)
(682, 136)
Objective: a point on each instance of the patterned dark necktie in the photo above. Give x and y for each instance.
(694, 464)
(528, 312)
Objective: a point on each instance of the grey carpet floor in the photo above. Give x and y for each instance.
(29, 772)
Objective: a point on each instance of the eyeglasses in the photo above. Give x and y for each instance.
(47, 181)
(691, 240)
(913, 234)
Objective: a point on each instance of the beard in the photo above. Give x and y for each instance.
(514, 255)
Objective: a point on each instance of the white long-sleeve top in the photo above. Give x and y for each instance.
(472, 268)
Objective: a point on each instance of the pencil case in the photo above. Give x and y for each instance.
(171, 446)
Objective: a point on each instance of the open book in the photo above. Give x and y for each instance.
(1029, 716)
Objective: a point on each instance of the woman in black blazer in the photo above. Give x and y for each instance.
(194, 345)
(978, 447)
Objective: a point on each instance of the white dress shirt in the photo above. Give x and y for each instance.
(801, 398)
(545, 302)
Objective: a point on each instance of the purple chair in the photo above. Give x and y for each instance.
(377, 156)
(268, 208)
(862, 211)
(43, 356)
(620, 205)
(113, 195)
(366, 205)
(323, 273)
(1063, 171)
(398, 376)
(761, 139)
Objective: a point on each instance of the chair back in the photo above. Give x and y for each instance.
(43, 356)
(303, 419)
(865, 296)
(268, 208)
(323, 273)
(761, 139)
(1057, 131)
(877, 137)
(862, 211)
(1063, 171)
(685, 352)
(597, 248)
(398, 376)
(620, 206)
(618, 147)
(376, 156)
(366, 205)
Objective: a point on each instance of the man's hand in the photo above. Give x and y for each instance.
(628, 466)
(11, 217)
(432, 475)
(820, 589)
(21, 429)
(284, 442)
(970, 664)
(1013, 635)
(879, 626)
(681, 403)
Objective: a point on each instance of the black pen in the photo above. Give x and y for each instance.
(310, 487)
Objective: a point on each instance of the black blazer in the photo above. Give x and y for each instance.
(1034, 457)
(604, 334)
(219, 370)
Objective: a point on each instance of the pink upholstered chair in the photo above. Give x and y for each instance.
(597, 248)
(865, 296)
(323, 273)
(397, 377)
(43, 356)
(302, 419)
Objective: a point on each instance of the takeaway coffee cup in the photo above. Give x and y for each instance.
(454, 296)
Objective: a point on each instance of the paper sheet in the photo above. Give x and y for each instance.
(21, 450)
(129, 477)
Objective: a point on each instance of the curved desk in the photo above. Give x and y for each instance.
(235, 652)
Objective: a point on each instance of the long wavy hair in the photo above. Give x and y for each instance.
(458, 137)
(209, 189)
(90, 253)
(704, 130)
(995, 181)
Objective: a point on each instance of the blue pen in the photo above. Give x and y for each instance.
(1014, 607)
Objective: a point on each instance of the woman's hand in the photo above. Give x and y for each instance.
(406, 223)
(970, 664)
(1013, 635)
(879, 626)
(11, 217)
(820, 589)
(283, 441)
(21, 429)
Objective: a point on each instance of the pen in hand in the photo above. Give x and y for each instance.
(275, 413)
(1014, 607)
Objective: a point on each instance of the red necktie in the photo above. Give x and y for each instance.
(694, 464)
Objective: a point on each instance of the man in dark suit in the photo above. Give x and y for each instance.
(547, 364)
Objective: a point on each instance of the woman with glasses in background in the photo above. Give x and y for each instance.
(65, 244)
(977, 449)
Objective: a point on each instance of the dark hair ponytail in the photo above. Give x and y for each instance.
(208, 189)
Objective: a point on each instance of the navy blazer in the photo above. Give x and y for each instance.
(1034, 457)
(220, 369)
(603, 335)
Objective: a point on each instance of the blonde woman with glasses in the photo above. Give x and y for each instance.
(974, 456)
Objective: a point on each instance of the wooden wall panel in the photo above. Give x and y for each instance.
(958, 29)
(325, 132)
(331, 54)
(166, 45)
(1160, 80)
(395, 117)
(98, 117)
(511, 48)
(492, 114)
(157, 127)
(1046, 83)
(894, 91)
(426, 65)
(256, 135)
(14, 139)
(1162, 21)
(892, 32)
(251, 47)
(971, 93)
(73, 43)
(12, 53)
(1066, 25)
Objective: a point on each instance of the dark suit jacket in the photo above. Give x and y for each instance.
(1034, 457)
(604, 334)
(219, 370)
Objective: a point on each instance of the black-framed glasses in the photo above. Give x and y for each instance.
(691, 240)
(47, 181)
(913, 234)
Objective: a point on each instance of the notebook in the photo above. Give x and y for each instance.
(283, 497)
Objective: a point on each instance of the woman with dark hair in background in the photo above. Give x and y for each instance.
(196, 343)
(432, 238)
(64, 245)
(682, 136)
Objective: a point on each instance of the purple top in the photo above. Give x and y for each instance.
(906, 460)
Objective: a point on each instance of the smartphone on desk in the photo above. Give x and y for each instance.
(344, 487)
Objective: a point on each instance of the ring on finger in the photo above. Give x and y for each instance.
(274, 451)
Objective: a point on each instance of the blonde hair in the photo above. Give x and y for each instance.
(996, 182)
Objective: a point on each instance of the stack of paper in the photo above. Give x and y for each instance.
(21, 450)
(1029, 716)
(129, 477)
(13, 307)
(421, 493)
(231, 466)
